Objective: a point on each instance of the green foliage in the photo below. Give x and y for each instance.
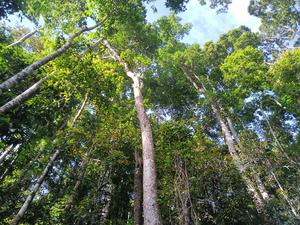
(245, 70)
(195, 169)
(284, 78)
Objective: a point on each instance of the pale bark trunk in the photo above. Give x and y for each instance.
(6, 152)
(36, 187)
(258, 201)
(260, 185)
(22, 97)
(138, 189)
(105, 212)
(8, 168)
(91, 47)
(285, 196)
(80, 110)
(25, 37)
(151, 212)
(29, 69)
(26, 94)
(276, 139)
(41, 178)
(27, 167)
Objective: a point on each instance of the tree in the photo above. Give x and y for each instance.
(217, 125)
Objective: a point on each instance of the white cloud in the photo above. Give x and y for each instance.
(207, 24)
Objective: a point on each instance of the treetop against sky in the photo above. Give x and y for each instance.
(207, 24)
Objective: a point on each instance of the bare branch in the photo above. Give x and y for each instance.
(25, 37)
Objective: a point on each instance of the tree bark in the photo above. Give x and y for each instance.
(138, 189)
(29, 69)
(80, 110)
(81, 175)
(8, 168)
(182, 190)
(260, 185)
(25, 37)
(6, 152)
(36, 187)
(276, 139)
(285, 196)
(151, 211)
(22, 97)
(42, 177)
(258, 201)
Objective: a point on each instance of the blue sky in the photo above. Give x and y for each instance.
(207, 25)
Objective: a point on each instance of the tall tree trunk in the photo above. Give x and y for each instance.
(151, 211)
(258, 201)
(6, 152)
(138, 189)
(285, 196)
(80, 177)
(36, 187)
(29, 69)
(260, 185)
(281, 149)
(26, 168)
(42, 177)
(25, 37)
(22, 97)
(103, 188)
(182, 190)
(8, 168)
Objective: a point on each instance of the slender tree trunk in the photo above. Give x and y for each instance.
(36, 187)
(6, 152)
(42, 177)
(8, 168)
(260, 185)
(285, 196)
(26, 168)
(258, 201)
(105, 212)
(151, 211)
(22, 97)
(28, 93)
(103, 188)
(80, 110)
(29, 69)
(276, 139)
(25, 37)
(181, 189)
(138, 189)
(80, 177)
(186, 207)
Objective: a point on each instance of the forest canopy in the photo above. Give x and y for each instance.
(107, 118)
